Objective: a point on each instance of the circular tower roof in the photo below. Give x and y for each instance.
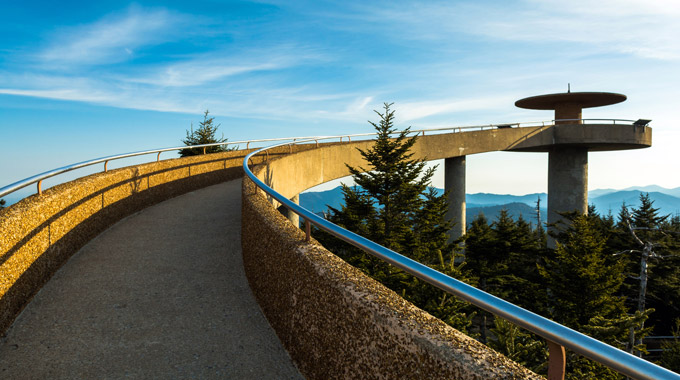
(583, 99)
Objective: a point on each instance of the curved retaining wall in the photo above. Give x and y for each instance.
(335, 321)
(39, 233)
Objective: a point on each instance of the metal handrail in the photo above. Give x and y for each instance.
(38, 178)
(554, 333)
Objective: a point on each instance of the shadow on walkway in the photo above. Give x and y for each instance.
(161, 294)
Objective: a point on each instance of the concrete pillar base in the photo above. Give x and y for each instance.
(567, 183)
(454, 183)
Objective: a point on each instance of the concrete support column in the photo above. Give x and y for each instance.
(454, 183)
(293, 217)
(567, 183)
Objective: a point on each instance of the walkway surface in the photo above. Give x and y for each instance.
(162, 294)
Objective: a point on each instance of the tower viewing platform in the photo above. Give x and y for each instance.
(570, 144)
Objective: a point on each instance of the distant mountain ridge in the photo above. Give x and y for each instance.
(604, 200)
(611, 202)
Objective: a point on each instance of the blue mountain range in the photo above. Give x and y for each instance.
(604, 200)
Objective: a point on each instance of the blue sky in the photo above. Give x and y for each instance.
(80, 80)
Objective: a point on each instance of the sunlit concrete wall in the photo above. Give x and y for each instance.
(39, 233)
(336, 322)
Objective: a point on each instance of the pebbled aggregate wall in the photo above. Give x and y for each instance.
(39, 233)
(337, 323)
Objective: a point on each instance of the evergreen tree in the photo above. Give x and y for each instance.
(518, 345)
(582, 293)
(503, 257)
(581, 283)
(662, 290)
(2, 204)
(205, 134)
(392, 206)
(480, 250)
(523, 285)
(647, 216)
(487, 252)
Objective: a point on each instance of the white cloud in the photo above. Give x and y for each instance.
(218, 65)
(647, 29)
(643, 28)
(61, 94)
(422, 109)
(198, 73)
(110, 40)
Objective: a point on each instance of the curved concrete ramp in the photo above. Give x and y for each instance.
(161, 294)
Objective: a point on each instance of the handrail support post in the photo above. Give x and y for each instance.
(308, 230)
(557, 361)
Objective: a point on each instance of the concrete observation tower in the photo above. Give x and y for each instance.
(568, 161)
(567, 141)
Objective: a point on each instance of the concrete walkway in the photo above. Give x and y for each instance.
(160, 295)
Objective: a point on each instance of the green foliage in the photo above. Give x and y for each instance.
(205, 134)
(503, 257)
(442, 305)
(393, 207)
(583, 286)
(663, 291)
(2, 204)
(663, 287)
(580, 284)
(647, 216)
(670, 357)
(520, 346)
(580, 368)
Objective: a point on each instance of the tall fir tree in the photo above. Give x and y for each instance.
(503, 257)
(205, 134)
(583, 293)
(393, 206)
(662, 289)
(582, 284)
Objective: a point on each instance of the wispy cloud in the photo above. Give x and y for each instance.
(61, 94)
(199, 73)
(112, 39)
(423, 109)
(219, 65)
(644, 28)
(647, 29)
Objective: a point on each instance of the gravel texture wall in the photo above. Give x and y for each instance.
(336, 322)
(39, 233)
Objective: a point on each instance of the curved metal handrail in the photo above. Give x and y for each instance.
(38, 178)
(553, 332)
